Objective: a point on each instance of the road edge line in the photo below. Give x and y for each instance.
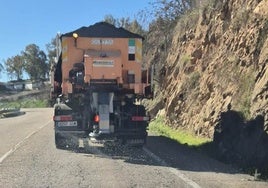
(176, 172)
(17, 146)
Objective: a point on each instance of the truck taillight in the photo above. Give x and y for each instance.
(63, 118)
(96, 118)
(140, 118)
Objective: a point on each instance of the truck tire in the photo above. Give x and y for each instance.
(139, 110)
(59, 141)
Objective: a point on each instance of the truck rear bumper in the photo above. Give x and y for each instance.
(67, 134)
(122, 134)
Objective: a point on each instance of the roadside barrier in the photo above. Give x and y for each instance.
(10, 112)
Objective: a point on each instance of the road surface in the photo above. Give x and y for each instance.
(29, 158)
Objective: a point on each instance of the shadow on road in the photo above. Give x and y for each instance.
(239, 143)
(184, 157)
(173, 154)
(233, 139)
(108, 149)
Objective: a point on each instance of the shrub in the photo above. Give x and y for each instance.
(193, 81)
(240, 19)
(243, 96)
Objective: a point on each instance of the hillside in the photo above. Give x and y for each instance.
(215, 76)
(25, 99)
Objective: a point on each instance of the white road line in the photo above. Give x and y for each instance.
(21, 142)
(176, 172)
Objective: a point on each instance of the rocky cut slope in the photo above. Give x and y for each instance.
(216, 75)
(217, 65)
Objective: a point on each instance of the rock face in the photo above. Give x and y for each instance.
(220, 63)
(214, 80)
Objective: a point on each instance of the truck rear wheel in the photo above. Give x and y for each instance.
(59, 141)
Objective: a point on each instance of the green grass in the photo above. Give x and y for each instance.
(181, 136)
(25, 103)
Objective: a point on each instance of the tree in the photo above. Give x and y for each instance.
(51, 52)
(110, 19)
(117, 22)
(173, 9)
(125, 23)
(1, 68)
(135, 27)
(35, 62)
(15, 66)
(166, 14)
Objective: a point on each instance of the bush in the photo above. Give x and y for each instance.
(240, 19)
(192, 81)
(243, 96)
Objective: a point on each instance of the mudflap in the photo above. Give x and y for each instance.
(138, 140)
(65, 139)
(60, 141)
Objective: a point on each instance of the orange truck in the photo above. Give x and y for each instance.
(98, 80)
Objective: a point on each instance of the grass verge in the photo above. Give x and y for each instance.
(158, 126)
(25, 103)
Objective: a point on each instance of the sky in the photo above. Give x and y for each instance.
(24, 22)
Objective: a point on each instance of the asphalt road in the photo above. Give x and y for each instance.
(29, 158)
